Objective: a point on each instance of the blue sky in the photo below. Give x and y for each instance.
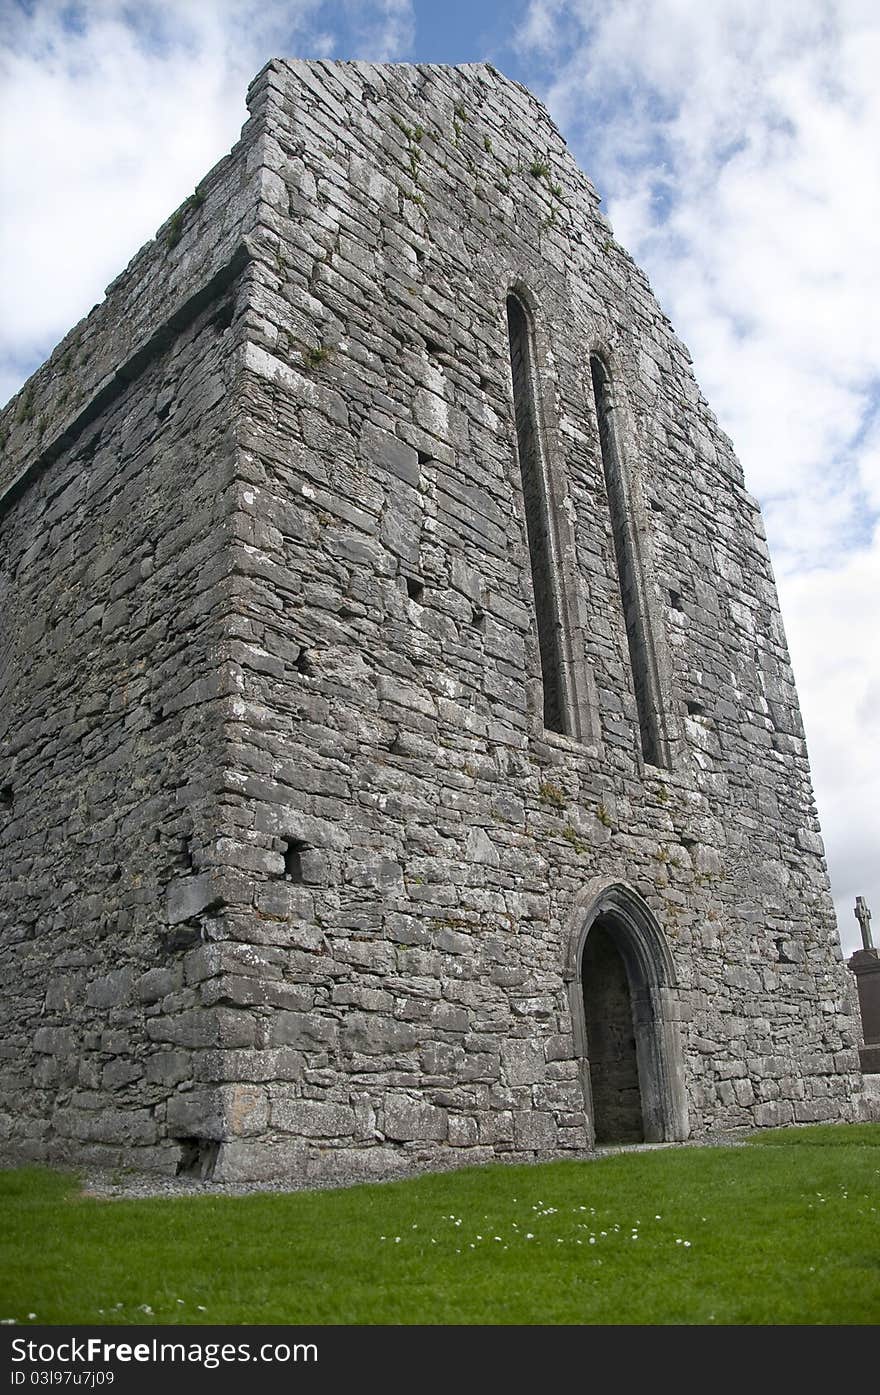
(735, 144)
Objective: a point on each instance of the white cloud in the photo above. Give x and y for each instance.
(737, 144)
(830, 616)
(384, 30)
(110, 114)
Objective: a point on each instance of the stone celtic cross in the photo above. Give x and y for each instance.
(863, 916)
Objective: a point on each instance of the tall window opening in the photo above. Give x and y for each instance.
(538, 525)
(628, 573)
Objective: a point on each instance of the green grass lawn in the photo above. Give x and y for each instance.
(785, 1231)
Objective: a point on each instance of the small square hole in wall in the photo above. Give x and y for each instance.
(695, 709)
(415, 589)
(5, 798)
(198, 1157)
(478, 618)
(675, 600)
(293, 855)
(304, 664)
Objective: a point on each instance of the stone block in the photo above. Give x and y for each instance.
(463, 1131)
(156, 984)
(534, 1131)
(55, 1041)
(774, 1114)
(247, 1109)
(119, 1073)
(168, 1067)
(370, 1036)
(382, 449)
(187, 897)
(306, 1031)
(522, 1062)
(408, 1120)
(111, 990)
(311, 1118)
(196, 1114)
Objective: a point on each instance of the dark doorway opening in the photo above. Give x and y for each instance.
(611, 1040)
(624, 1004)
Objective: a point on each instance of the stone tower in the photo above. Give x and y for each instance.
(400, 754)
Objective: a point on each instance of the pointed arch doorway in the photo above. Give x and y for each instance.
(622, 992)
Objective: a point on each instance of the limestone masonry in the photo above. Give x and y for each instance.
(400, 754)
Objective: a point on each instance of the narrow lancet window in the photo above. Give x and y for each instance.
(628, 572)
(538, 523)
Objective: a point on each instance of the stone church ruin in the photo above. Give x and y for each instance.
(400, 759)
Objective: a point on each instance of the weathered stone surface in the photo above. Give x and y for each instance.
(407, 1120)
(292, 869)
(188, 897)
(109, 991)
(313, 1118)
(196, 1114)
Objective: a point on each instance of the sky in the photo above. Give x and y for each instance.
(736, 146)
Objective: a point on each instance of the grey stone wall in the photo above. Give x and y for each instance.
(116, 473)
(295, 867)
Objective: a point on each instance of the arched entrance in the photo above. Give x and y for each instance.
(624, 1011)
